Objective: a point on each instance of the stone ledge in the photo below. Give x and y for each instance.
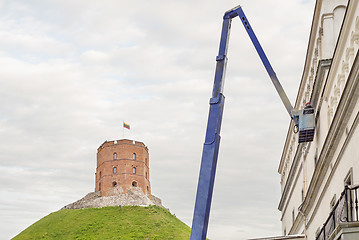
(134, 197)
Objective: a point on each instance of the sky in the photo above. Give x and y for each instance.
(73, 70)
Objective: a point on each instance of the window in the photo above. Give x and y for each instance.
(148, 189)
(99, 186)
(114, 170)
(134, 184)
(146, 175)
(114, 184)
(115, 156)
(134, 170)
(100, 174)
(134, 156)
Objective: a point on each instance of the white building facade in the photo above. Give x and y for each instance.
(318, 179)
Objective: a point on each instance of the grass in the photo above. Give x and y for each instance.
(128, 222)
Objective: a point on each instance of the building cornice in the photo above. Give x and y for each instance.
(343, 109)
(306, 71)
(286, 204)
(291, 176)
(310, 50)
(322, 82)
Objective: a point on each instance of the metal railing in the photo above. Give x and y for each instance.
(345, 210)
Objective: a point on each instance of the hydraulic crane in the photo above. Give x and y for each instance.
(303, 120)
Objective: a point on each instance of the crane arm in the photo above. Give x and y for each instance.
(303, 120)
(266, 63)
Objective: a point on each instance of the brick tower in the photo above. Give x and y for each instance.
(122, 165)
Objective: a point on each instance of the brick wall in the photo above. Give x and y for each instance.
(122, 164)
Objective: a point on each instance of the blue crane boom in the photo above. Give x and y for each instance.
(304, 121)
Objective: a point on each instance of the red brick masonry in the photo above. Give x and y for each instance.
(122, 164)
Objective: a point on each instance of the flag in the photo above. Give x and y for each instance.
(125, 125)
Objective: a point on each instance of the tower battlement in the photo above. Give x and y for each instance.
(121, 141)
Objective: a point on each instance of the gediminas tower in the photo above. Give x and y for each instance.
(122, 165)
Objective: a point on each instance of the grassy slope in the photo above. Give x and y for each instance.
(130, 222)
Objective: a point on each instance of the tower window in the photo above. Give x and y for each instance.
(134, 184)
(114, 184)
(114, 170)
(100, 174)
(115, 156)
(134, 156)
(134, 170)
(146, 175)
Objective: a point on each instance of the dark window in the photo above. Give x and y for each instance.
(134, 184)
(99, 186)
(114, 184)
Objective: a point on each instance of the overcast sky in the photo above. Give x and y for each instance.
(73, 70)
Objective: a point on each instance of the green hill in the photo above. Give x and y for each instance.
(131, 222)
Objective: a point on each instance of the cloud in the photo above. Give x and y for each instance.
(72, 71)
